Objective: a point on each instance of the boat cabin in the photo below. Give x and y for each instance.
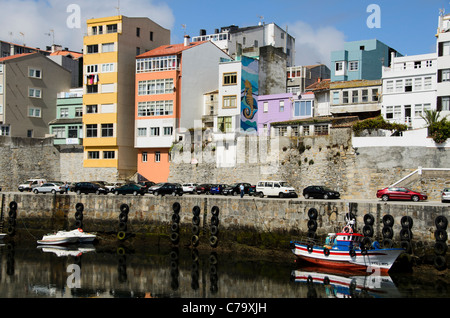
(343, 240)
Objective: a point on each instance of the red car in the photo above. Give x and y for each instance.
(397, 193)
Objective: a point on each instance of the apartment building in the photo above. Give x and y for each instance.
(171, 82)
(361, 60)
(109, 56)
(300, 77)
(29, 84)
(409, 89)
(237, 41)
(443, 65)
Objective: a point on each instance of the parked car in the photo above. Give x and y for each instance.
(275, 188)
(320, 192)
(167, 188)
(399, 193)
(50, 187)
(88, 187)
(234, 189)
(445, 196)
(203, 188)
(146, 184)
(130, 188)
(111, 186)
(217, 188)
(189, 187)
(30, 184)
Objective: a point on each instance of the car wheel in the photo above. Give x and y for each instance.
(306, 195)
(53, 191)
(78, 192)
(325, 196)
(116, 192)
(234, 193)
(174, 194)
(155, 193)
(35, 191)
(97, 192)
(281, 195)
(385, 197)
(415, 198)
(135, 193)
(261, 195)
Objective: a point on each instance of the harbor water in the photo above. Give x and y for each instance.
(121, 270)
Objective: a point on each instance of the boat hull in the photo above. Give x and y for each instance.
(58, 241)
(381, 259)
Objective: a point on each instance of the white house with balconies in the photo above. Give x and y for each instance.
(409, 89)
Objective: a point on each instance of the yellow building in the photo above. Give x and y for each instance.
(109, 58)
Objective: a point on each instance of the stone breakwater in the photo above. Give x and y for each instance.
(246, 220)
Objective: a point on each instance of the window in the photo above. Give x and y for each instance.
(36, 73)
(157, 156)
(229, 78)
(224, 124)
(34, 112)
(109, 154)
(345, 97)
(111, 28)
(364, 95)
(108, 88)
(92, 68)
(303, 108)
(138, 32)
(155, 108)
(91, 109)
(151, 35)
(92, 89)
(321, 130)
(355, 97)
(64, 113)
(107, 47)
(418, 84)
(34, 92)
(142, 132)
(389, 86)
(154, 131)
(265, 107)
(353, 65)
(339, 66)
(79, 112)
(91, 49)
(154, 87)
(59, 132)
(281, 108)
(4, 130)
(408, 85)
(335, 98)
(281, 131)
(389, 112)
(107, 130)
(399, 85)
(229, 101)
(444, 103)
(168, 131)
(427, 84)
(29, 133)
(93, 154)
(108, 108)
(417, 64)
(144, 156)
(1, 68)
(375, 95)
(73, 131)
(419, 109)
(91, 131)
(108, 68)
(156, 64)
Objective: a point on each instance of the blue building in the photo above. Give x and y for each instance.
(361, 60)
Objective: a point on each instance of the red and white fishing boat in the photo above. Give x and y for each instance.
(345, 250)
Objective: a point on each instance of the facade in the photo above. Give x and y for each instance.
(171, 83)
(274, 108)
(409, 88)
(247, 40)
(109, 56)
(9, 49)
(73, 61)
(360, 98)
(361, 60)
(443, 65)
(67, 128)
(321, 91)
(300, 77)
(29, 84)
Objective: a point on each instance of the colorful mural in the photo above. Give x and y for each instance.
(249, 91)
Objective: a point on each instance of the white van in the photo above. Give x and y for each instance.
(275, 188)
(30, 184)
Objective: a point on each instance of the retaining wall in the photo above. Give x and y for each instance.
(284, 218)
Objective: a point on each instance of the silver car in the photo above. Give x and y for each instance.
(445, 196)
(50, 187)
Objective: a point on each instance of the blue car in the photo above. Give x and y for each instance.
(217, 188)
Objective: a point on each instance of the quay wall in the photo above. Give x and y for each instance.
(245, 220)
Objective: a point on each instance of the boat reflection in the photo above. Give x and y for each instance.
(65, 251)
(344, 284)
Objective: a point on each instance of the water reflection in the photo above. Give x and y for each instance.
(29, 271)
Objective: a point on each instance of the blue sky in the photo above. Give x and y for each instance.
(318, 26)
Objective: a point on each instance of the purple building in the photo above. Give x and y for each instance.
(274, 108)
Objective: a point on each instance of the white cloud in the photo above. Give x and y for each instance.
(30, 21)
(315, 44)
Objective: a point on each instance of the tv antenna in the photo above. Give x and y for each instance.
(260, 17)
(118, 7)
(183, 26)
(52, 33)
(442, 12)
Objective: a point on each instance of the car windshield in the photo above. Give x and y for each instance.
(284, 184)
(234, 184)
(327, 189)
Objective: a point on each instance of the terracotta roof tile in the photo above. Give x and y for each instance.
(6, 58)
(75, 55)
(170, 49)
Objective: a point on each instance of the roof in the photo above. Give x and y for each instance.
(74, 55)
(169, 49)
(323, 84)
(11, 57)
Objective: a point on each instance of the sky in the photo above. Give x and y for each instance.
(319, 27)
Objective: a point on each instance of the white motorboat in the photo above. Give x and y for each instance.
(68, 237)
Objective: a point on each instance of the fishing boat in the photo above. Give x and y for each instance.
(67, 237)
(346, 250)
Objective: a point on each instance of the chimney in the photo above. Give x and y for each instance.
(186, 40)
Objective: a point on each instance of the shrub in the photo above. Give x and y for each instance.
(377, 123)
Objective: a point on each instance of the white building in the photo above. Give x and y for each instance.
(409, 88)
(443, 65)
